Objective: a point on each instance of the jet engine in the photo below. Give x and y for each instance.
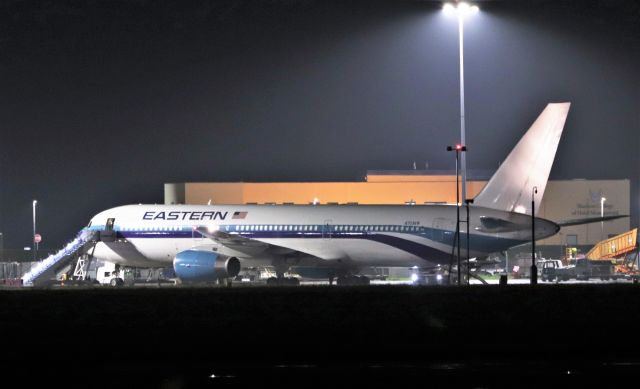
(203, 266)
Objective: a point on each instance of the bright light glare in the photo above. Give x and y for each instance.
(212, 228)
(439, 277)
(520, 209)
(461, 9)
(414, 277)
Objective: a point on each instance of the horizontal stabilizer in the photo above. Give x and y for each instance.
(578, 222)
(495, 225)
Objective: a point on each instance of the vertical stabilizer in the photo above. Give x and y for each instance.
(527, 166)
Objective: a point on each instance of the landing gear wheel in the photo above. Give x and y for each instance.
(116, 282)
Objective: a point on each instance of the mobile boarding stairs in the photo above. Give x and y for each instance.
(43, 272)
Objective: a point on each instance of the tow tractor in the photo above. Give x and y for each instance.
(114, 275)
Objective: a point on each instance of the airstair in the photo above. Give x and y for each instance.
(49, 267)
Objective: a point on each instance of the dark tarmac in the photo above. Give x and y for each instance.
(471, 336)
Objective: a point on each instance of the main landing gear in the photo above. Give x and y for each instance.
(280, 279)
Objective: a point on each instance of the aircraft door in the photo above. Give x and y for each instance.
(327, 229)
(108, 235)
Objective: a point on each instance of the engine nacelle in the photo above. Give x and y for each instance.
(203, 266)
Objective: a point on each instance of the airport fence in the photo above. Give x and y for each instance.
(14, 270)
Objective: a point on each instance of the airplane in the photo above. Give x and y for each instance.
(205, 243)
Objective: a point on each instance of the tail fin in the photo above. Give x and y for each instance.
(527, 166)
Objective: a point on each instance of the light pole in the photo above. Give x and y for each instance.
(461, 9)
(602, 200)
(458, 149)
(468, 202)
(35, 244)
(534, 269)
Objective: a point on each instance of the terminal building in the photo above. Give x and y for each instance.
(563, 200)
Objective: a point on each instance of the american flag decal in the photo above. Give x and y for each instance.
(239, 215)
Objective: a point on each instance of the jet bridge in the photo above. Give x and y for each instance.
(49, 267)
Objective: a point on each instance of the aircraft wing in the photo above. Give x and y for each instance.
(248, 246)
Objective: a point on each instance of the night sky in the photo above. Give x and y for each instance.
(101, 102)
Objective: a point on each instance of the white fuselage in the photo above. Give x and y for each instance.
(361, 235)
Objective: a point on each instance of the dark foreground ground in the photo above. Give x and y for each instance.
(484, 336)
